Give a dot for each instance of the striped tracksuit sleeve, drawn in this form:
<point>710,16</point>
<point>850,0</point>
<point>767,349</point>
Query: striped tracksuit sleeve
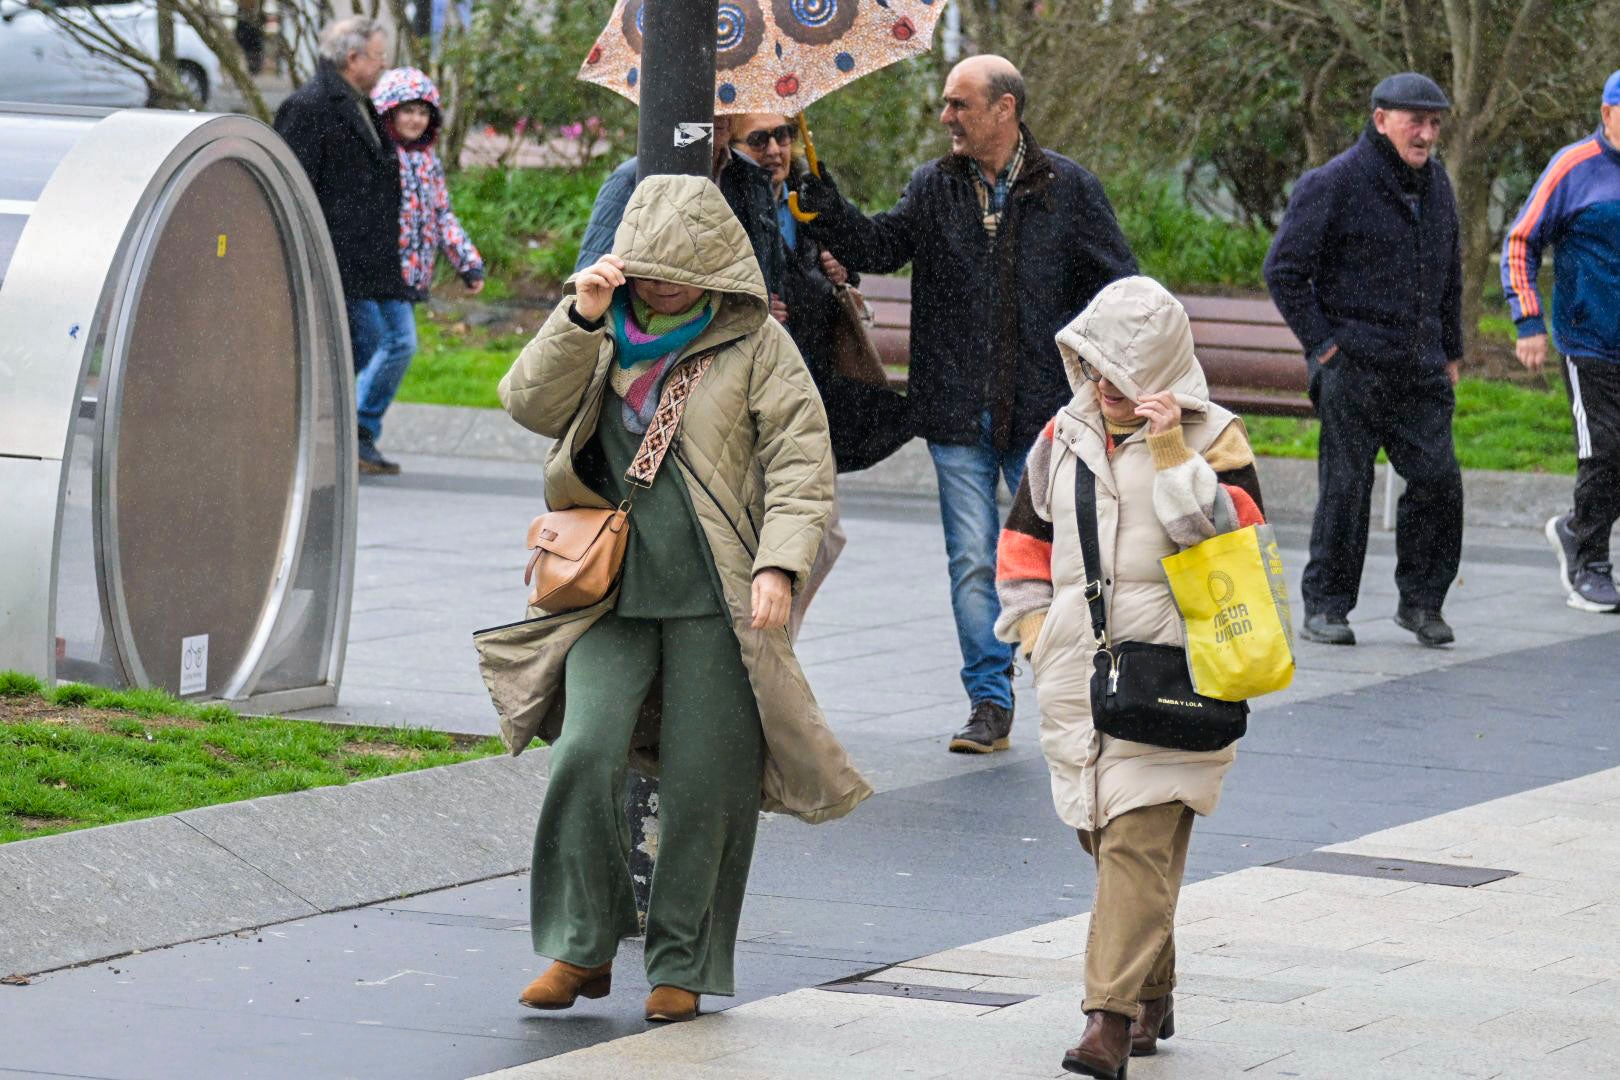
<point>1537,222</point>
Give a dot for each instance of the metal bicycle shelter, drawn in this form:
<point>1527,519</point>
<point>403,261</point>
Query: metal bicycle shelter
<point>177,437</point>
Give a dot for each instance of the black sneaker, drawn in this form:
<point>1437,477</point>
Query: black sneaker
<point>1430,628</point>
<point>988,727</point>
<point>372,463</point>
<point>1328,629</point>
<point>1562,539</point>
<point>1594,588</point>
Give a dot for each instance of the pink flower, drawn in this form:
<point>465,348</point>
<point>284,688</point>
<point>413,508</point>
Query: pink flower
<point>572,131</point>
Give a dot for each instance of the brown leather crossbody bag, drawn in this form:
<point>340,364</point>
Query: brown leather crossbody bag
<point>578,553</point>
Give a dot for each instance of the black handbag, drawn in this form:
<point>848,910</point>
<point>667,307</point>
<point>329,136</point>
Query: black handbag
<point>1141,691</point>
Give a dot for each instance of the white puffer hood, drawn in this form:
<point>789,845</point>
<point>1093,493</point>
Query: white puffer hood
<point>1138,336</point>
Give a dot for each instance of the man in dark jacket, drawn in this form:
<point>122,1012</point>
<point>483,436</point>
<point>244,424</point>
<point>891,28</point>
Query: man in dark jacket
<point>1367,270</point>
<point>1007,242</point>
<point>339,139</point>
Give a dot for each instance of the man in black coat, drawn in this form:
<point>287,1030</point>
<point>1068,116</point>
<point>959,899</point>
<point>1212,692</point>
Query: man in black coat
<point>339,139</point>
<point>1367,270</point>
<point>1007,243</point>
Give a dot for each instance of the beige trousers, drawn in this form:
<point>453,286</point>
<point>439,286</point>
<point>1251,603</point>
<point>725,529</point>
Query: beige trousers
<point>1131,947</point>
<point>832,545</point>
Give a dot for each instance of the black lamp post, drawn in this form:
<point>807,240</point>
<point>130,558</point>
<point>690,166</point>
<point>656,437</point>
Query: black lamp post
<point>676,135</point>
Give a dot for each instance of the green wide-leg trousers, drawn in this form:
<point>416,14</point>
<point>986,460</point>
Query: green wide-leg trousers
<point>711,758</point>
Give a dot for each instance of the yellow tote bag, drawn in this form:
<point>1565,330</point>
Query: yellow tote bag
<point>1233,599</point>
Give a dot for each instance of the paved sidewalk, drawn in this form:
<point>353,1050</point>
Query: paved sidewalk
<point>1282,973</point>
<point>951,850</point>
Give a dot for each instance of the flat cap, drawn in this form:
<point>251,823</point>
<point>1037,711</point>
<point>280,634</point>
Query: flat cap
<point>1410,90</point>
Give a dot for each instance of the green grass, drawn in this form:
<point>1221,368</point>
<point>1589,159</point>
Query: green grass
<point>80,755</point>
<point>1498,426</point>
<point>458,368</point>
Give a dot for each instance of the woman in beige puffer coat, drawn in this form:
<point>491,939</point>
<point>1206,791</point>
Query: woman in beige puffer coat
<point>1172,469</point>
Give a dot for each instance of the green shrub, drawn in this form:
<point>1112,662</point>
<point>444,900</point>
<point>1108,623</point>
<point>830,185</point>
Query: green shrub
<point>1181,245</point>
<point>527,222</point>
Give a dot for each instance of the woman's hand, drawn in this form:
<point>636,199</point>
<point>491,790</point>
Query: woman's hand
<point>779,310</point>
<point>1162,411</point>
<point>773,599</point>
<point>833,269</point>
<point>593,289</point>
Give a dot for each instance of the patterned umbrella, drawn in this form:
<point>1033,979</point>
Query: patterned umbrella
<point>777,56</point>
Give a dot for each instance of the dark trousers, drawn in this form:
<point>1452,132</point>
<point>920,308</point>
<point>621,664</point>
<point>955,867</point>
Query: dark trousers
<point>1594,399</point>
<point>1362,411</point>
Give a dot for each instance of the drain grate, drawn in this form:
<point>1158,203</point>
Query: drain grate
<point>860,985</point>
<point>1423,873</point>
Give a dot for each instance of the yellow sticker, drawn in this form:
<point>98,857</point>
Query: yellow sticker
<point>221,250</point>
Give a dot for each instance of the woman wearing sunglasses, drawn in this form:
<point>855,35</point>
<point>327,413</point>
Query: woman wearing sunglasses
<point>867,423</point>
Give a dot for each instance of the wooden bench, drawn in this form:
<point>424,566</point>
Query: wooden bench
<point>1252,360</point>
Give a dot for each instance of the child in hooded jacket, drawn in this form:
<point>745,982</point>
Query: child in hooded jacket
<point>408,102</point>
<point>1170,469</point>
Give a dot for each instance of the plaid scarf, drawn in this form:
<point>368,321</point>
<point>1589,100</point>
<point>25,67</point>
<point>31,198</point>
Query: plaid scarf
<point>647,346</point>
<point>993,199</point>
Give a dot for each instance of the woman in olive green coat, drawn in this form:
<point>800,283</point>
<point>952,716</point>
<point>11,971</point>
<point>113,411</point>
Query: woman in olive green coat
<point>718,544</point>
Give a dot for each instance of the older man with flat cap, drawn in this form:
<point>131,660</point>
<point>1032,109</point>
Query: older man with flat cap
<point>1367,270</point>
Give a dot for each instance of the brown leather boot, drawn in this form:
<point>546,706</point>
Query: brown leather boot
<point>1105,1047</point>
<point>671,1005</point>
<point>564,983</point>
<point>1158,1021</point>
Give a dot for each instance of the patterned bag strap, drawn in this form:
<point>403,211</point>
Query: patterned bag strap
<point>666,421</point>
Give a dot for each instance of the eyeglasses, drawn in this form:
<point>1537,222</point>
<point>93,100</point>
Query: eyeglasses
<point>758,140</point>
<point>1091,373</point>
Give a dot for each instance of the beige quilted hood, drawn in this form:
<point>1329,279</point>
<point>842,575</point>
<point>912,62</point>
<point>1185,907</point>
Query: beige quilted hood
<point>680,228</point>
<point>1138,336</point>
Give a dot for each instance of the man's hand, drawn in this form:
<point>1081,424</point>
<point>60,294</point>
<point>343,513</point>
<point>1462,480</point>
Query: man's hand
<point>834,269</point>
<point>1532,351</point>
<point>1162,410</point>
<point>475,286</point>
<point>778,309</point>
<point>1454,370</point>
<point>593,289</point>
<point>773,599</point>
<point>818,194</point>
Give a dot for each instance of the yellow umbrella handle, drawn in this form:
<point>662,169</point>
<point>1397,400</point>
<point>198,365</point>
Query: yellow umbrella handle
<point>809,146</point>
<point>815,170</point>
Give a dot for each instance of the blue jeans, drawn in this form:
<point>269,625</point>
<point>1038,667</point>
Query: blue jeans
<point>967,506</point>
<point>383,334</point>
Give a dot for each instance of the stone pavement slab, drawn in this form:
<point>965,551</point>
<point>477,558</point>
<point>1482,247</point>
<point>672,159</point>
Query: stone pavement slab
<point>1270,983</point>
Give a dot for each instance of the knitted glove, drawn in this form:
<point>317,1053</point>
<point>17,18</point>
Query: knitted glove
<point>1029,629</point>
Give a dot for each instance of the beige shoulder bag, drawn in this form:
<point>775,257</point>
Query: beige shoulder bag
<point>578,553</point>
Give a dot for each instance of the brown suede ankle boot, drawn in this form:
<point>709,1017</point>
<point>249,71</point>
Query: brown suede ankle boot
<point>671,1005</point>
<point>1105,1047</point>
<point>564,983</point>
<point>1157,1021</point>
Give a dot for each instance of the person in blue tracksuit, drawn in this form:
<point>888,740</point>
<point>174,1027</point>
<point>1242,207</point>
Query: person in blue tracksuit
<point>1366,269</point>
<point>1575,207</point>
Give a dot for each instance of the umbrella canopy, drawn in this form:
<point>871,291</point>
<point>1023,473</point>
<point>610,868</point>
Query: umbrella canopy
<point>777,56</point>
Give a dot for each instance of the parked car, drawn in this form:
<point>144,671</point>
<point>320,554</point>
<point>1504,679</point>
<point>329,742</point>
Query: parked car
<point>43,61</point>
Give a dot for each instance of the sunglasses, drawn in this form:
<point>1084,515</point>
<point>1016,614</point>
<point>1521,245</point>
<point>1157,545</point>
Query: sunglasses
<point>1091,373</point>
<point>759,140</point>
